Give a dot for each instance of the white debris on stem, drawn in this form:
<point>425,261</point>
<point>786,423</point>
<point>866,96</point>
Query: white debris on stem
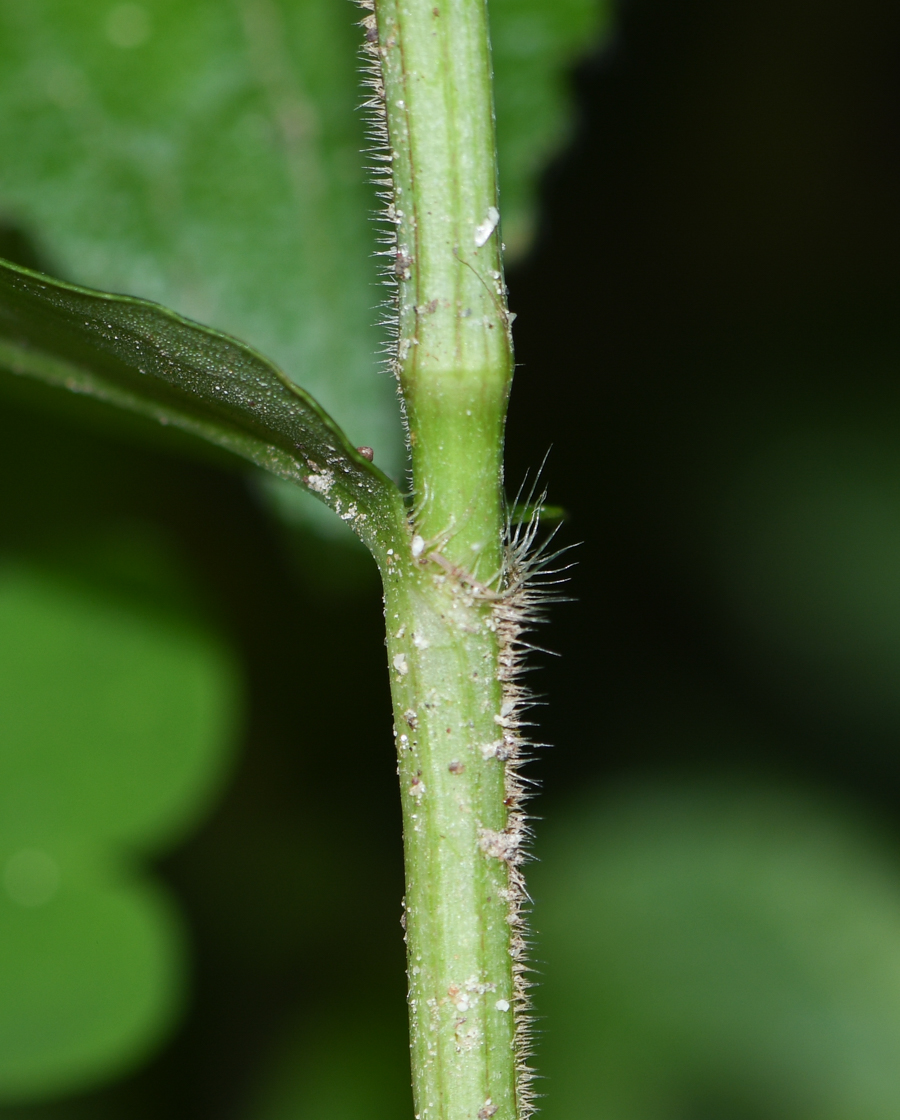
<point>484,229</point>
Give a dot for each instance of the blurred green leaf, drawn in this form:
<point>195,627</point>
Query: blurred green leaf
<point>115,724</point>
<point>534,44</point>
<point>207,156</point>
<point>207,159</point>
<point>113,720</point>
<point>709,950</point>
<point>90,978</point>
<point>150,361</point>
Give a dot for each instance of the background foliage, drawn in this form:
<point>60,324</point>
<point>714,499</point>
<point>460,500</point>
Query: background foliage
<point>708,335</point>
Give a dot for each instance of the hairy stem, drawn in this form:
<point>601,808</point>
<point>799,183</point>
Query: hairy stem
<point>442,650</point>
<point>454,362</point>
<point>454,356</point>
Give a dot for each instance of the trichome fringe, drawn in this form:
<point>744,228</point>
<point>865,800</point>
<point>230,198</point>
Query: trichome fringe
<point>527,580</point>
<point>378,151</point>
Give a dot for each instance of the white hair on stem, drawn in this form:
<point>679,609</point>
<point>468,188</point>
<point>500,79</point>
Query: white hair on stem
<point>519,594</point>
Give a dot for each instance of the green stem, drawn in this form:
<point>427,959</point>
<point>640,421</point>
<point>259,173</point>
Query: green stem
<point>455,351</point>
<point>454,362</point>
<point>442,652</point>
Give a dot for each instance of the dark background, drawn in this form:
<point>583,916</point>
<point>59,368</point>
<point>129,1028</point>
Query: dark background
<point>717,266</point>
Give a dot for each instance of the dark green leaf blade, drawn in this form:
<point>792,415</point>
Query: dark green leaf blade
<point>143,358</point>
<point>208,160</point>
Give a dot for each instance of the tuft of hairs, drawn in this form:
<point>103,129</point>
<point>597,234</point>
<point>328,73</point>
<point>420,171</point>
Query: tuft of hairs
<point>529,584</point>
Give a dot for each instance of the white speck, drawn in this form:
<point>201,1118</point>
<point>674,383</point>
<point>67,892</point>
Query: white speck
<point>351,513</point>
<point>417,547</point>
<point>419,642</point>
<point>321,483</point>
<point>491,750</point>
<point>390,552</point>
<point>417,789</point>
<point>487,227</point>
<point>502,1005</point>
<point>462,1005</point>
<point>500,845</point>
<point>404,742</point>
<point>400,665</point>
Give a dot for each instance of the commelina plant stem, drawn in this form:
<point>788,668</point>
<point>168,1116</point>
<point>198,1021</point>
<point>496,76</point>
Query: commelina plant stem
<point>456,599</point>
<point>461,581</point>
